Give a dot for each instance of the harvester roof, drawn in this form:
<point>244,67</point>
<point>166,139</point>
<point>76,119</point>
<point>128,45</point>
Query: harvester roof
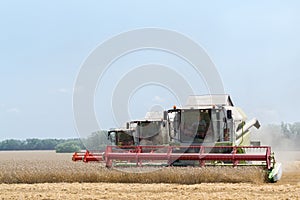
<point>209,100</point>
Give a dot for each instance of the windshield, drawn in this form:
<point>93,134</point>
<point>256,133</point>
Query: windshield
<point>121,138</point>
<point>147,129</point>
<point>194,125</point>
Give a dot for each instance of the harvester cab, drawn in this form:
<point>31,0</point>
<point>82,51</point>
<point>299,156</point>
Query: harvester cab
<point>210,120</point>
<point>121,137</point>
<point>151,130</point>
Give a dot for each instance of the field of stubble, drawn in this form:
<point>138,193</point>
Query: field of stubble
<point>47,175</point>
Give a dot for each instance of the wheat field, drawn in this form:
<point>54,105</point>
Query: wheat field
<point>47,175</point>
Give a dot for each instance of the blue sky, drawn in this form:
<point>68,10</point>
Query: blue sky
<point>255,46</point>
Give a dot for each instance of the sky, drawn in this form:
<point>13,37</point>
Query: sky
<point>254,45</point>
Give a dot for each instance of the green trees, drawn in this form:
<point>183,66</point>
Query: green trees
<point>36,144</point>
<point>12,144</point>
<point>291,130</point>
<point>96,141</point>
<point>68,147</point>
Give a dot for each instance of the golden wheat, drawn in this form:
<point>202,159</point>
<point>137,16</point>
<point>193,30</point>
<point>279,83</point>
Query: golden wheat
<point>49,167</point>
<point>50,171</point>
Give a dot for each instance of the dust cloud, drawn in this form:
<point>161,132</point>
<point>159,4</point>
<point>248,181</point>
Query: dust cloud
<point>286,149</point>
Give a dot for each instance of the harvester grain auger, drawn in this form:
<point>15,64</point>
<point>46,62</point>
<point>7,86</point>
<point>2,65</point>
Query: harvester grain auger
<point>208,131</point>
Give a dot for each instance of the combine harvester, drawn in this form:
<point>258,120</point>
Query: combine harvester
<point>208,131</point>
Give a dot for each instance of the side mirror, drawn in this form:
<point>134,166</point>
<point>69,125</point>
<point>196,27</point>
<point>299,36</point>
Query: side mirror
<point>229,114</point>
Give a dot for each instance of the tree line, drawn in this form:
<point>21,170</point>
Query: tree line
<point>36,144</point>
<point>95,141</point>
<point>274,134</point>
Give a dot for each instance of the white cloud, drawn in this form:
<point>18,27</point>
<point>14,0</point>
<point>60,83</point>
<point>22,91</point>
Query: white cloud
<point>13,110</point>
<point>158,99</point>
<point>63,90</point>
